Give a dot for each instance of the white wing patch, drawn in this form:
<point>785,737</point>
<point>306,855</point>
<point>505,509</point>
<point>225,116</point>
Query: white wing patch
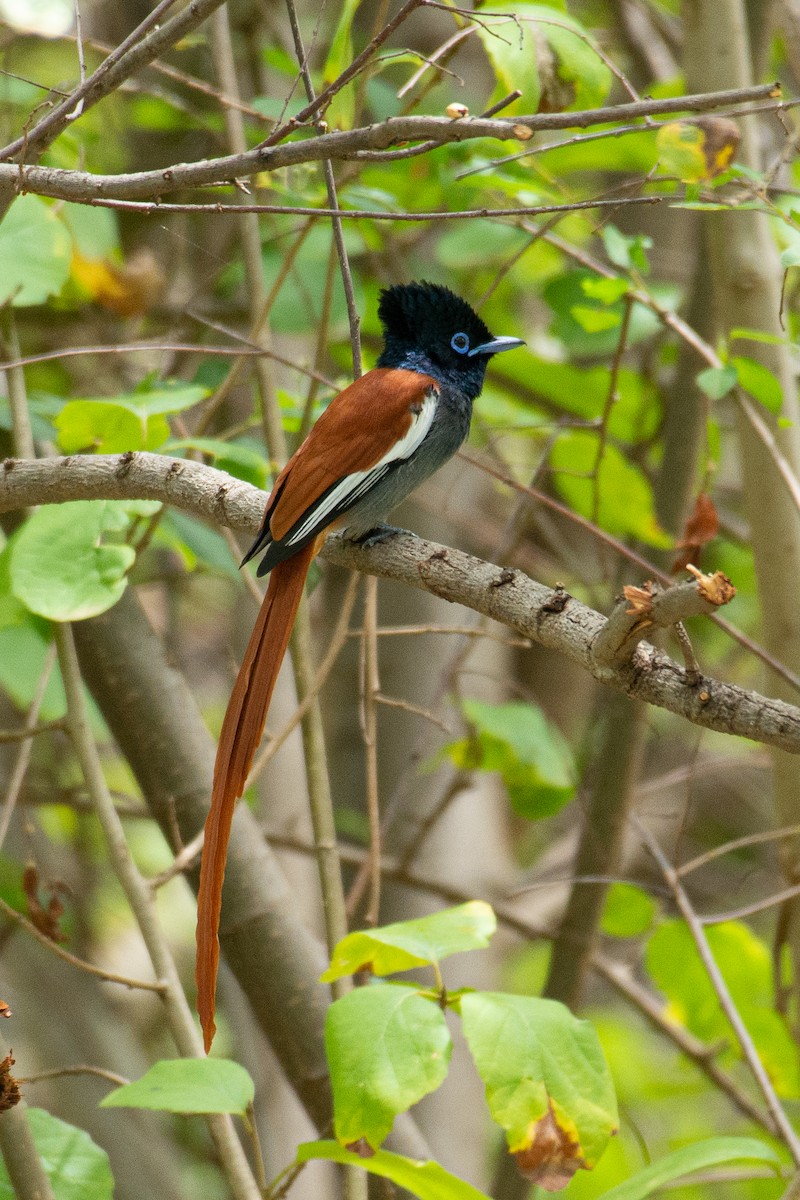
<point>352,487</point>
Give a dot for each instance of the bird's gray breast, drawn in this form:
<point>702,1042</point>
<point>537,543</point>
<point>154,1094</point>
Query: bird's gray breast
<point>448,430</point>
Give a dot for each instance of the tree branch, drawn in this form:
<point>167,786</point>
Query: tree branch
<point>552,618</point>
<point>83,187</point>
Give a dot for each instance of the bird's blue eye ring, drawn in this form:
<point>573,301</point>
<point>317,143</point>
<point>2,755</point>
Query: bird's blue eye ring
<point>460,343</point>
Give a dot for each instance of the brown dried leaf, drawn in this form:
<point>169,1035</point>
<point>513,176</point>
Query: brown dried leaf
<point>721,140</point>
<point>46,919</point>
<point>9,1088</point>
<point>129,289</point>
<point>717,589</point>
<point>553,1156</point>
<point>640,599</point>
<point>362,1148</point>
<point>701,527</point>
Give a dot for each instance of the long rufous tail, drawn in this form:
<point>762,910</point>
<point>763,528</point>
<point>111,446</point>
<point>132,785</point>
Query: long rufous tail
<point>238,741</point>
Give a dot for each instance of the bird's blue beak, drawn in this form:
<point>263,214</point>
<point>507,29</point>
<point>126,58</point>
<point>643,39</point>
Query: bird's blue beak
<point>496,346</point>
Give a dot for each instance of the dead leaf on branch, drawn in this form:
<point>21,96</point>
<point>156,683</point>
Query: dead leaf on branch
<point>9,1088</point>
<point>701,527</point>
<point>45,917</point>
<point>552,1157</point>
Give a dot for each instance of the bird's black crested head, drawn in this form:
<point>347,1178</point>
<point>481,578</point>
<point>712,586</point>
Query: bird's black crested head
<point>430,329</point>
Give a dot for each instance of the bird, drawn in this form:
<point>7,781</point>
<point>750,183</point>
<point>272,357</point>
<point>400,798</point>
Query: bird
<point>376,442</point>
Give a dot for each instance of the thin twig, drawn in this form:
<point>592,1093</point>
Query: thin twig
<point>370,687</point>
<point>23,759</point>
<point>751,839</point>
<point>330,186</point>
<point>720,987</point>
<point>179,1016</point>
<point>144,985</point>
<point>612,395</point>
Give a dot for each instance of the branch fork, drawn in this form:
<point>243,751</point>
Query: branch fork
<point>642,609</point>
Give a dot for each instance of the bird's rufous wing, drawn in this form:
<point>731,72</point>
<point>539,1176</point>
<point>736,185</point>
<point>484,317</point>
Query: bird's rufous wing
<point>380,418</point>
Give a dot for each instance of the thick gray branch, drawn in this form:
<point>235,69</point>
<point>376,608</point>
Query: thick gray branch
<point>553,619</point>
<point>82,186</point>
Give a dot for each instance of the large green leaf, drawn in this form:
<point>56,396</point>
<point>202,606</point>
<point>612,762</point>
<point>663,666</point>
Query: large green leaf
<point>545,1076</point>
<point>713,1152</point>
<point>60,566</point>
<point>23,651</point>
<point>635,415</point>
<point>746,964</point>
<point>132,421</point>
<point>76,1167</point>
<point>512,49</point>
<point>35,252</point>
<point>387,1047</point>
<point>187,1085</point>
<point>626,507</point>
<point>107,428</point>
<point>759,381</point>
<point>427,1180</point>
<point>529,753</point>
<point>569,301</point>
<point>628,911</point>
<point>417,943</point>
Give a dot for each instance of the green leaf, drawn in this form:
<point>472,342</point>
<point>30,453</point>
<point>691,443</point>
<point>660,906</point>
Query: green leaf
<point>60,567</point>
<point>77,1168</point>
<point>237,458</point>
<point>539,1063</point>
<point>628,912</point>
<point>712,1152</point>
<point>746,964</point>
<point>595,320</point>
<point>626,506</point>
<point>583,391</point>
<point>790,257</point>
<point>716,382</point>
<point>387,1047</point>
<point>133,421</point>
<point>532,757</point>
<point>514,46</point>
<point>196,543</point>
<point>607,291</point>
<point>35,252</point>
<point>95,230</point>
<point>564,292</point>
<point>409,944</point>
<point>23,650</point>
<point>107,428</point>
<point>12,611</point>
<point>188,1085</point>
<point>680,151</point>
<point>427,1180</point>
<point>627,251</point>
<point>760,382</point>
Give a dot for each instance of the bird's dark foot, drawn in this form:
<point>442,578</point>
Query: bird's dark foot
<point>381,533</point>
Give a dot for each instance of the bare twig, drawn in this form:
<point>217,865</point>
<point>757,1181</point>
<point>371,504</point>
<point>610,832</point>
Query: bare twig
<point>180,1018</point>
<point>144,985</point>
<point>720,987</point>
<point>370,687</point>
<point>20,767</point>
